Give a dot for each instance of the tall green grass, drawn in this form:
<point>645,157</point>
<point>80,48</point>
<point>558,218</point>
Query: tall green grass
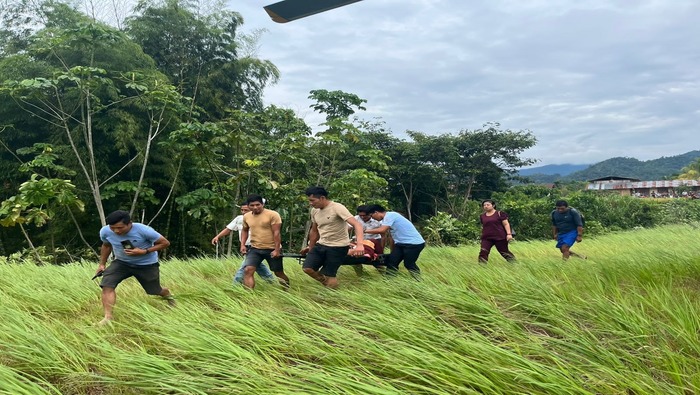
<point>624,321</point>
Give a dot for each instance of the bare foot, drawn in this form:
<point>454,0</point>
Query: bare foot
<point>105,321</point>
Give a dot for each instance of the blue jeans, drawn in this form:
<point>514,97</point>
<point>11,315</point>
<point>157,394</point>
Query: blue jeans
<point>262,270</point>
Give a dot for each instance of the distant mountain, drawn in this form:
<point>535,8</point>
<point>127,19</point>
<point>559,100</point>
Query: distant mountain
<point>650,170</point>
<point>561,170</point>
<point>655,169</point>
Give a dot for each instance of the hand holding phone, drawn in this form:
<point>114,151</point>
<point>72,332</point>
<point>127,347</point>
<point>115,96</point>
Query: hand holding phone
<point>127,245</point>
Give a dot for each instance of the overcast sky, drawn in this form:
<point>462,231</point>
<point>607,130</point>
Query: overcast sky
<point>591,79</point>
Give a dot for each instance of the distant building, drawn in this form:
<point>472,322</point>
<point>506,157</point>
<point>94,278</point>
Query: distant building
<point>633,187</point>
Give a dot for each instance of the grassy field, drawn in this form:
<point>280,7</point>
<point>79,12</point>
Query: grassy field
<point>624,321</point>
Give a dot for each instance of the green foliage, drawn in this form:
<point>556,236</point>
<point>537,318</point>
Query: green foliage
<point>198,51</point>
<point>690,172</point>
<point>358,187</point>
<point>125,190</point>
<point>33,203</point>
<point>201,204</point>
<point>680,211</point>
<point>336,104</point>
<point>443,229</point>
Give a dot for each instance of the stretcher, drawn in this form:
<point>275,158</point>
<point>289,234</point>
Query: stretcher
<point>349,260</point>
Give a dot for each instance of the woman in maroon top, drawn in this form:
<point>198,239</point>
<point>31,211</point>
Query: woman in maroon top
<point>495,231</point>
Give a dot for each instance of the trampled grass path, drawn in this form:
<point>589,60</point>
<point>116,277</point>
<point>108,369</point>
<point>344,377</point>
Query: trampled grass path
<point>624,321</point>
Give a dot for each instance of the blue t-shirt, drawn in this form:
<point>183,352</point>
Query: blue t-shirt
<point>141,236</point>
<point>402,230</point>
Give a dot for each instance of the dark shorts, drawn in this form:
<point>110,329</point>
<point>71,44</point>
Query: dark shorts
<point>328,258</point>
<point>255,256</point>
<point>147,275</point>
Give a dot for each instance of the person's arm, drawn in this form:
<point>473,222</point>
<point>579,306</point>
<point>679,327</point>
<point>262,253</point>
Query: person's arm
<point>244,236</point>
<point>579,226</point>
<point>359,248</point>
<point>277,236</point>
<point>105,251</point>
<point>225,232</point>
<point>378,231</point>
<point>160,244</point>
<point>506,226</point>
<point>313,238</point>
<point>554,232</point>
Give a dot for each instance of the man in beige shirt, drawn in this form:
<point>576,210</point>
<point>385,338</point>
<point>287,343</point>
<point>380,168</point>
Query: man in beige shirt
<point>263,226</point>
<point>328,238</point>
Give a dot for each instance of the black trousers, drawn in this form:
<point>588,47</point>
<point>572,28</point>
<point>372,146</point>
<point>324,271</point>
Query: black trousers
<point>408,253</point>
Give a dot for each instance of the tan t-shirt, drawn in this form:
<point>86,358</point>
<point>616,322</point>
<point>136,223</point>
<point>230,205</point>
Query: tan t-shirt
<point>332,229</point>
<point>260,228</point>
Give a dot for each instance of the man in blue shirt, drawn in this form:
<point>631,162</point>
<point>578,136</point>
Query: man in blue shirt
<point>134,246</point>
<point>408,243</point>
<point>567,228</point>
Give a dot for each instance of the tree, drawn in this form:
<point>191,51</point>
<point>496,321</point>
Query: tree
<point>484,157</point>
<point>199,52</point>
<point>86,94</point>
<point>41,196</point>
<point>691,172</point>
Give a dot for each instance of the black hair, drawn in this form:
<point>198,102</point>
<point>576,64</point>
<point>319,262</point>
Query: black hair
<point>488,201</point>
<point>362,209</point>
<point>118,216</point>
<point>316,192</point>
<point>561,203</point>
<point>375,208</point>
<point>254,198</point>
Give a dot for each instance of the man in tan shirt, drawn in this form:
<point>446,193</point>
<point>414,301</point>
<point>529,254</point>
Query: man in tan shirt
<point>263,226</point>
<point>329,243</point>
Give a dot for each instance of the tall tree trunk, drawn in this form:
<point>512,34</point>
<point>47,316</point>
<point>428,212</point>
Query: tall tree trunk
<point>31,245</point>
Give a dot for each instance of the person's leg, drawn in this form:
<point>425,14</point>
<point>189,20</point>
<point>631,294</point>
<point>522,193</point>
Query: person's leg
<point>395,257</point>
<point>410,257</point>
<point>109,298</point>
<point>565,252</point>
<point>486,245</point>
<point>168,296</point>
<point>313,263</point>
<point>248,277</point>
<point>277,266</point>
<point>238,277</point>
<point>577,255</point>
<point>502,247</point>
<point>253,259</point>
<point>334,258</point>
<point>358,270</point>
<point>115,273</point>
<point>265,273</point>
<point>149,278</point>
<point>565,242</point>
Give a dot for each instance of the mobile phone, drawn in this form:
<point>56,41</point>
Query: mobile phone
<point>127,245</point>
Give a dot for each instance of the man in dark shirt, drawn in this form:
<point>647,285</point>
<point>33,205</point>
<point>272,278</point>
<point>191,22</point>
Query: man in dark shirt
<point>567,228</point>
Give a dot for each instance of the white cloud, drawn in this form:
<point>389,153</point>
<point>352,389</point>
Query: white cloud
<point>592,79</point>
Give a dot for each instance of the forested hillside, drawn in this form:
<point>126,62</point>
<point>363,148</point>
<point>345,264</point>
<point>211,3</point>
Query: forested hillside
<point>655,169</point>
